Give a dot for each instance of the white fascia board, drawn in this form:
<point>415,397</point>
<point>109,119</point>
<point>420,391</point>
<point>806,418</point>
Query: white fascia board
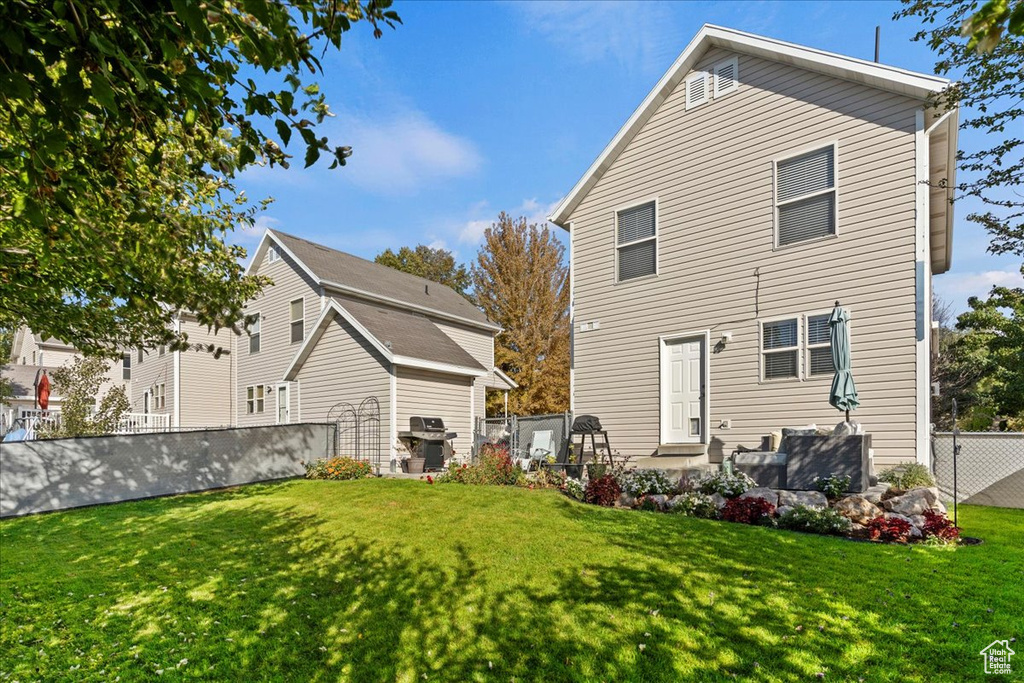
<point>257,255</point>
<point>370,296</point>
<point>326,316</point>
<point>505,378</point>
<point>409,362</point>
<point>881,76</point>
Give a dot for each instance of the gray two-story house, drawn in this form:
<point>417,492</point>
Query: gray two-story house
<point>756,185</point>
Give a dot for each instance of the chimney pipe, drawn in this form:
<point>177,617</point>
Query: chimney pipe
<point>878,40</point>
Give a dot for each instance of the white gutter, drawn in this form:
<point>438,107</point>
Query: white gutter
<point>177,377</point>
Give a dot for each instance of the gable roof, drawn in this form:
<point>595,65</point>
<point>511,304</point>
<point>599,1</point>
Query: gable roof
<point>881,76</point>
<point>341,272</point>
<point>402,338</point>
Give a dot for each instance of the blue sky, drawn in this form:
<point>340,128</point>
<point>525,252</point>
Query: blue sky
<point>471,108</point>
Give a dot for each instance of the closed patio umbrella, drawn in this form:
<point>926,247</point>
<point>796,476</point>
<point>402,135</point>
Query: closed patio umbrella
<point>843,395</point>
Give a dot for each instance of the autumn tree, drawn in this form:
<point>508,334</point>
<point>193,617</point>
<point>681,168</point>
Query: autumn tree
<point>122,128</point>
<point>434,264</point>
<point>522,284</point>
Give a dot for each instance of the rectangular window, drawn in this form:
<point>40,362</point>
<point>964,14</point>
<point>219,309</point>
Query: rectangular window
<point>159,397</point>
<point>162,350</point>
<point>254,334</point>
<point>819,346</point>
<point>255,399</point>
<point>297,313</point>
<point>636,241</point>
<point>126,366</point>
<point>780,349</point>
<point>139,357</point>
<point>805,196</point>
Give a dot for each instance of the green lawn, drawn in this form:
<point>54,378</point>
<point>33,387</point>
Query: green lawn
<point>397,580</point>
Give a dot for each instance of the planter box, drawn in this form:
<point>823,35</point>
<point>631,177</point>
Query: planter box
<point>413,465</point>
<point>803,458</point>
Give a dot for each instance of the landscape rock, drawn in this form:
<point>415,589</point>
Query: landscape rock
<point>811,499</point>
<point>916,532</point>
<point>939,507</point>
<point>917,520</point>
<point>782,509</point>
<point>719,500</point>
<point>896,515</point>
<point>626,500</point>
<point>762,492</point>
<point>661,499</point>
<point>858,530</point>
<point>913,502</point>
<point>857,509</point>
<point>874,493</point>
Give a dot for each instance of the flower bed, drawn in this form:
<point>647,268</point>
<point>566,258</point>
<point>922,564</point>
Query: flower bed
<point>338,469</point>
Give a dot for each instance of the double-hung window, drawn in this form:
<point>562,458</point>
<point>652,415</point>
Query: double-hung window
<point>297,309</point>
<point>255,399</point>
<point>819,346</point>
<point>636,241</point>
<point>805,196</point>
<point>126,366</point>
<point>254,334</point>
<point>159,397</point>
<point>780,349</point>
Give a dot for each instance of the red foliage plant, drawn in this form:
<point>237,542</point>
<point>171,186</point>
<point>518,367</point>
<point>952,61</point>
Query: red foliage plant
<point>602,491</point>
<point>938,525</point>
<point>889,530</point>
<point>747,510</point>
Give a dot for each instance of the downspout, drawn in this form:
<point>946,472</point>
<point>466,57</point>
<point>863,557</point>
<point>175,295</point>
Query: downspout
<point>177,377</point>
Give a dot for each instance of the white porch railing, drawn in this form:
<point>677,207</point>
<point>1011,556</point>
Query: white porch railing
<point>36,422</point>
<point>133,423</point>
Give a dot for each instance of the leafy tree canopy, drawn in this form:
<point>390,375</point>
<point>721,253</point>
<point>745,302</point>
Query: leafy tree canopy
<point>78,385</point>
<point>522,283</point>
<point>122,126</point>
<point>436,265</point>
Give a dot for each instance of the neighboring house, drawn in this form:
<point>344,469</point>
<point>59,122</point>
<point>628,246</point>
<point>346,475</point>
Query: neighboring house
<point>191,388</point>
<point>334,328</point>
<point>31,355</point>
<point>757,184</point>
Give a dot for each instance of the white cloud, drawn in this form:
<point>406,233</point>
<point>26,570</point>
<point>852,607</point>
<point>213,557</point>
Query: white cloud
<point>635,34</point>
<point>482,216</point>
<point>403,153</point>
<point>956,288</point>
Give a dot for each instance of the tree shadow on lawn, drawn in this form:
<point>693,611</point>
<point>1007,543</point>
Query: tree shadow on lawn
<point>244,588</point>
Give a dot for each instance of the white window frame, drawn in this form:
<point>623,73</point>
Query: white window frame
<point>273,254</point>
<point>159,396</point>
<point>762,351</point>
<point>141,355</point>
<point>259,319</point>
<point>834,189</point>
<point>255,404</point>
<point>691,103</point>
<point>808,345</point>
<point>301,320</point>
<point>735,62</point>
<point>655,239</point>
<point>126,367</point>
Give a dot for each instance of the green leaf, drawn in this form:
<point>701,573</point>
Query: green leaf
<point>284,131</point>
<point>103,93</point>
<point>312,154</point>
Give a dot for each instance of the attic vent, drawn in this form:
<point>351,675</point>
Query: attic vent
<point>273,254</point>
<point>726,76</point>
<point>697,89</point>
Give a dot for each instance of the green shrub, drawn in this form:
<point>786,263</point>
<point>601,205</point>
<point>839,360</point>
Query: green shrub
<point>824,521</point>
<point>909,475</point>
<point>725,484</point>
<point>338,469</point>
<point>644,482</point>
<point>695,504</point>
<point>494,468</point>
<point>833,486</point>
<point>602,491</point>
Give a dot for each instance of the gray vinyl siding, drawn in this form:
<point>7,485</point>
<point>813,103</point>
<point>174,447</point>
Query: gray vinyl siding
<point>206,387</point>
<point>433,394</point>
<point>154,369</point>
<point>344,367</point>
<point>480,345</point>
<point>710,169</point>
<point>276,353</point>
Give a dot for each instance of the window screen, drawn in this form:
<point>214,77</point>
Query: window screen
<point>636,242</point>
<point>806,197</point>
<point>779,340</point>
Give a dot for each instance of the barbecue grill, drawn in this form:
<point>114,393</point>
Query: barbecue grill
<point>428,439</point>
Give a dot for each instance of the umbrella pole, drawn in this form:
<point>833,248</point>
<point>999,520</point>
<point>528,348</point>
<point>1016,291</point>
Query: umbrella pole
<point>847,415</point>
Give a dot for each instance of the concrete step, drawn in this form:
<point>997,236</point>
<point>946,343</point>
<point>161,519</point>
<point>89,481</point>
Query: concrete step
<point>688,449</point>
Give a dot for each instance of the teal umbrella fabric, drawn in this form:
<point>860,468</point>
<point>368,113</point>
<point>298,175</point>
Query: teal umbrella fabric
<point>844,392</point>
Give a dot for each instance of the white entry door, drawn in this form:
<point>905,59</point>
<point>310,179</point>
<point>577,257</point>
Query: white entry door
<point>682,391</point>
<point>283,411</point>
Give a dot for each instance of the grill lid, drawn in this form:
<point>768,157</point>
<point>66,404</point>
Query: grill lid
<point>426,424</point>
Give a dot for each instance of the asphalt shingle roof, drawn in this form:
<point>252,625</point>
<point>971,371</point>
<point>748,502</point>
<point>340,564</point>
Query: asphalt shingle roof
<point>351,271</point>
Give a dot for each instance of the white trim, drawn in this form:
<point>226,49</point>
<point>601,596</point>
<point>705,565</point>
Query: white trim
<point>663,341</point>
<point>697,76</point>
<point>572,324</point>
<point>393,411</point>
<point>806,149</point>
<point>735,62</point>
<point>298,400</point>
<point>292,321</point>
<point>334,308</point>
<point>922,293</point>
<point>657,242</point>
<point>881,76</point>
<point>176,387</point>
<point>505,378</point>
<point>472,415</point>
<point>248,334</point>
<point>827,345</point>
